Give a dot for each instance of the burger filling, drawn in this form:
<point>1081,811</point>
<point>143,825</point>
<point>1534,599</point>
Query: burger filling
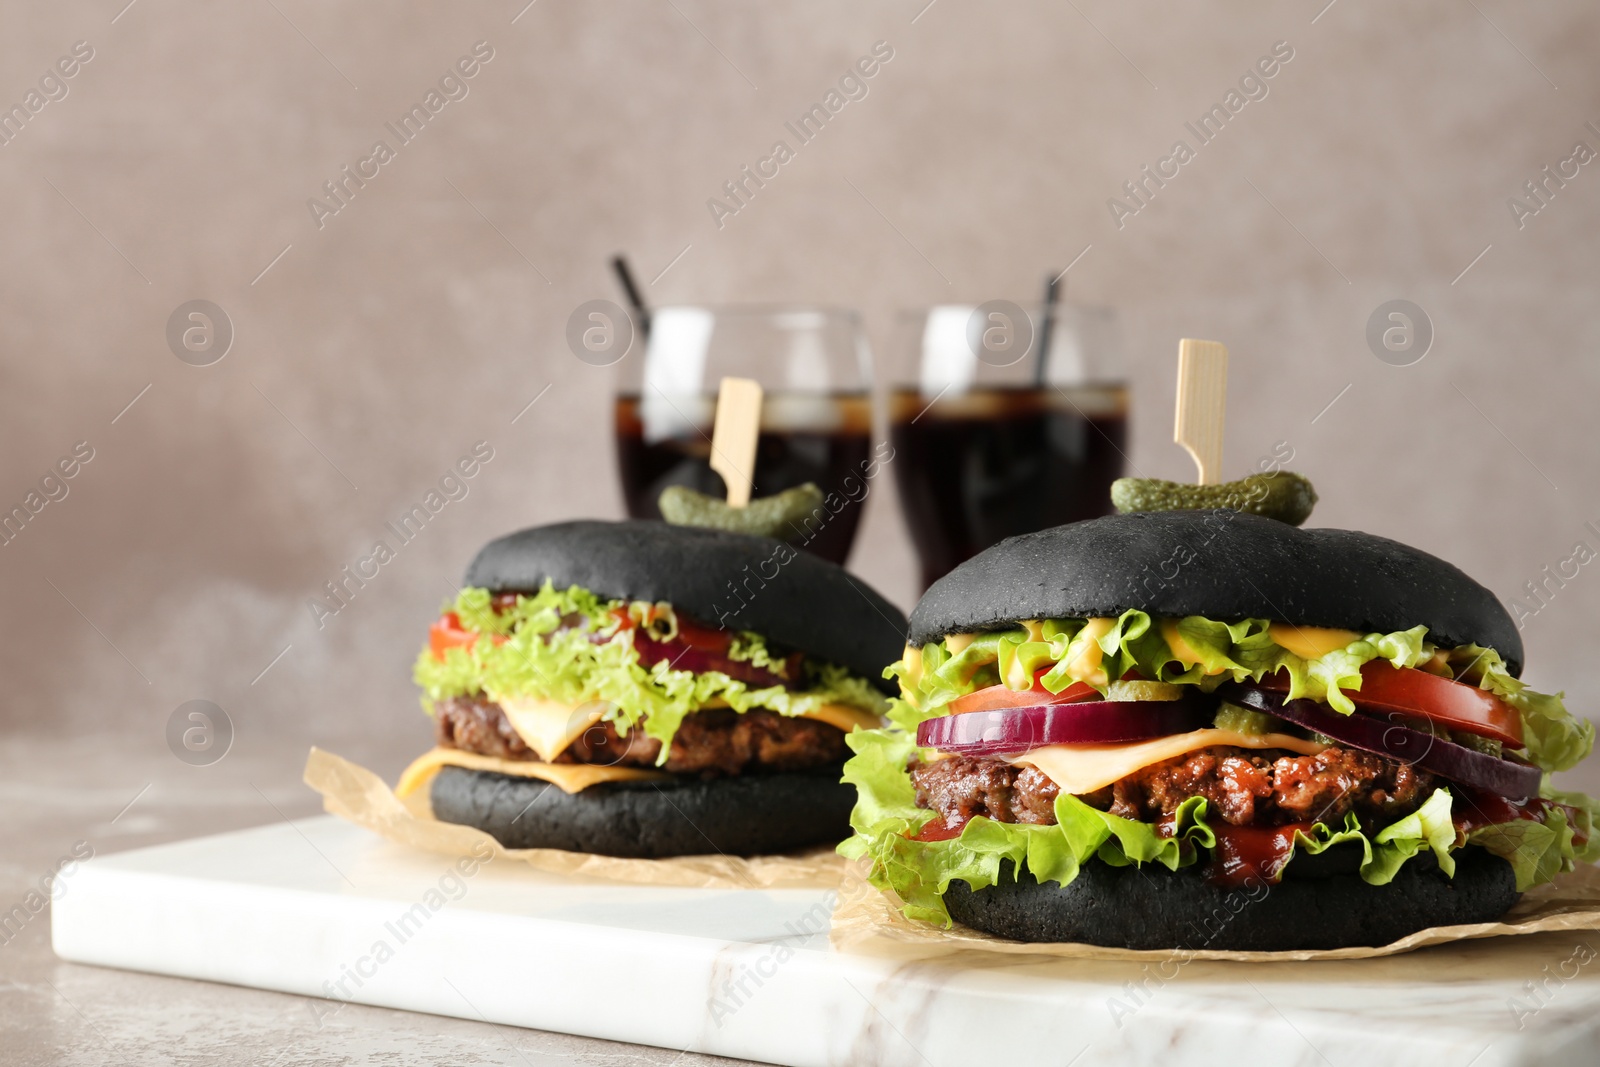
<point>1191,741</point>
<point>1241,788</point>
<point>711,743</point>
<point>536,682</point>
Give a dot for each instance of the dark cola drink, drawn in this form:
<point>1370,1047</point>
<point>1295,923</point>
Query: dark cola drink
<point>987,464</point>
<point>819,438</point>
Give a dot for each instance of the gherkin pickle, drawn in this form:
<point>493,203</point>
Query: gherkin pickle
<point>1246,721</point>
<point>1281,495</point>
<point>782,516</point>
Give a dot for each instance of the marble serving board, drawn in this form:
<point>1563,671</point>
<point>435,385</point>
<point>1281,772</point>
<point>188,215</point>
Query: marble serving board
<point>326,911</point>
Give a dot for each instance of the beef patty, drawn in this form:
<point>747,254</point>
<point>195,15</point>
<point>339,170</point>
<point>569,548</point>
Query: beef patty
<point>1245,787</point>
<point>713,743</point>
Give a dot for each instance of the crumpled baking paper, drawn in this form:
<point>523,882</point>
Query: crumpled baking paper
<point>866,919</point>
<point>357,795</point>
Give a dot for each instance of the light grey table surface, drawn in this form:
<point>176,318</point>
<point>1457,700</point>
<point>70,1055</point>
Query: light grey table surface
<point>53,1012</point>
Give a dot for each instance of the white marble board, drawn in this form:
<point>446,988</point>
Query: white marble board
<point>301,907</point>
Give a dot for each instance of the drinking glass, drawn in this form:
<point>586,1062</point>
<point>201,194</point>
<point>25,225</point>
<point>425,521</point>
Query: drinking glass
<point>816,416</point>
<point>990,439</point>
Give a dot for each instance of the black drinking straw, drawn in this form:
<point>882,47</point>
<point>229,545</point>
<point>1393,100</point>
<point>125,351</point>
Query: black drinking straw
<point>619,264</point>
<point>1051,294</point>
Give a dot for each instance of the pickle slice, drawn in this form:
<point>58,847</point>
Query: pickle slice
<point>1281,495</point>
<point>782,515</point>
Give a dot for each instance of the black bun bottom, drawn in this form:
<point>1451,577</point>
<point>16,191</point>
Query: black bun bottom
<point>740,816</point>
<point>1153,908</point>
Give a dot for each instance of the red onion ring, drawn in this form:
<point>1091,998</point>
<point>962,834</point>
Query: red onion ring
<point>1371,733</point>
<point>990,733</point>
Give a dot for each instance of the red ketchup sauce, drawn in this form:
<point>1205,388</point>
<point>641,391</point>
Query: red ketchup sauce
<point>1246,853</point>
<point>937,829</point>
<point>1475,809</point>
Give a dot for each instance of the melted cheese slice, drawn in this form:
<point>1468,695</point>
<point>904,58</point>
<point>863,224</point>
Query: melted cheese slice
<point>844,717</point>
<point>1081,769</point>
<point>1310,642</point>
<point>957,643</point>
<point>1181,648</point>
<point>548,727</point>
<point>569,777</point>
<point>1086,665</point>
<point>912,657</point>
<point>545,726</point>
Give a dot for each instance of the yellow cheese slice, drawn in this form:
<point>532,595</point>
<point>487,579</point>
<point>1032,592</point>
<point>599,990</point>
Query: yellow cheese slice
<point>957,643</point>
<point>1181,648</point>
<point>1081,769</point>
<point>546,726</point>
<point>1086,666</point>
<point>1310,642</point>
<point>569,777</point>
<point>912,657</point>
<point>844,717</point>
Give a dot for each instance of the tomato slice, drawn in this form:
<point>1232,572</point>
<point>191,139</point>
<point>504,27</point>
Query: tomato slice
<point>996,697</point>
<point>703,638</point>
<point>1385,687</point>
<point>447,633</point>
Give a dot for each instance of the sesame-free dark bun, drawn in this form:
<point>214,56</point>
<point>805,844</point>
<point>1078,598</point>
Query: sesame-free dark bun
<point>1151,907</point>
<point>746,815</point>
<point>734,581</point>
<point>1220,564</point>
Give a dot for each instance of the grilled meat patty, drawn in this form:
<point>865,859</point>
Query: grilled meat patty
<point>1244,787</point>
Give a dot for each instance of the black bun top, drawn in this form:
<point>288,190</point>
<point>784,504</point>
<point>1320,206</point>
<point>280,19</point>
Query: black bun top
<point>1221,564</point>
<point>723,579</point>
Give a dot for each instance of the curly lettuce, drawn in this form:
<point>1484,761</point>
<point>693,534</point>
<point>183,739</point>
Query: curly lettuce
<point>886,817</point>
<point>1554,739</point>
<point>570,646</point>
<point>1103,650</point>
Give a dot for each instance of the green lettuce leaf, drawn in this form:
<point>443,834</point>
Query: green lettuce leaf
<point>569,646</point>
<point>1537,851</point>
<point>1555,740</point>
<point>1584,814</point>
<point>1222,651</point>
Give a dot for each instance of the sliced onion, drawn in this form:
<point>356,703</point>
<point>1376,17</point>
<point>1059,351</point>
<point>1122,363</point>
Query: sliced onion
<point>1373,733</point>
<point>991,733</point>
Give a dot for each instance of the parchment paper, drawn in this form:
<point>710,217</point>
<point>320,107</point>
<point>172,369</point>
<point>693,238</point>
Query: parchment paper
<point>356,795</point>
<point>865,918</point>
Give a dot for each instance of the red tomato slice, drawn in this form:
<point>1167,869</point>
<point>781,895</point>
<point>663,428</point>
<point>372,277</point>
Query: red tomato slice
<point>996,697</point>
<point>447,634</point>
<point>691,634</point>
<point>703,638</point>
<point>1409,691</point>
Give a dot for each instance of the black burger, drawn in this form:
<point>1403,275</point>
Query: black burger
<point>1212,730</point>
<point>646,690</point>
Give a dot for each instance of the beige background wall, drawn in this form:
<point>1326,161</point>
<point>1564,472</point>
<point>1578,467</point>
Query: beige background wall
<point>428,312</point>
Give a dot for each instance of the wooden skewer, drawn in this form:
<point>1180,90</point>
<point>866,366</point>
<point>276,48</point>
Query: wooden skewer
<point>733,441</point>
<point>1202,400</point>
